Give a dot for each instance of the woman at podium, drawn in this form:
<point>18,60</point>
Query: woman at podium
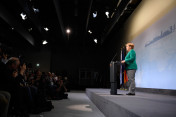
<point>131,67</point>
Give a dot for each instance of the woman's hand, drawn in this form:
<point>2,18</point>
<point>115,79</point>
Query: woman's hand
<point>123,61</point>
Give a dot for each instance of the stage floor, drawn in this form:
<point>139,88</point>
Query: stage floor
<point>77,105</point>
<point>140,105</point>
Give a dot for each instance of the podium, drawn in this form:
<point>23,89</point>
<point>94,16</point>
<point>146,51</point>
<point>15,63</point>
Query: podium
<point>114,65</point>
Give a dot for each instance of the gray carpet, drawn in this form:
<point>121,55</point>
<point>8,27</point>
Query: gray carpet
<point>77,105</point>
<point>140,105</point>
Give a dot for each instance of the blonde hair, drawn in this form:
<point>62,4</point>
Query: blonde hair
<point>131,45</point>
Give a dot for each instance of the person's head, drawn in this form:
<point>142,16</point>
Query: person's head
<point>65,78</point>
<point>53,74</point>
<point>129,46</point>
<point>59,77</point>
<point>49,74</point>
<point>22,66</point>
<point>5,55</point>
<point>13,63</point>
<point>38,72</point>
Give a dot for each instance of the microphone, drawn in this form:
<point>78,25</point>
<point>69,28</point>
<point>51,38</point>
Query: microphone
<point>114,57</point>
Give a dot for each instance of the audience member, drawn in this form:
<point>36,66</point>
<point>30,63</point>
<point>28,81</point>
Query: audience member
<point>4,103</point>
<point>23,91</point>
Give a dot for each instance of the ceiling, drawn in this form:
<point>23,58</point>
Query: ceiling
<point>57,16</point>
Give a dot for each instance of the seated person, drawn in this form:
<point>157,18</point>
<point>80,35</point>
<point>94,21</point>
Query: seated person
<point>4,103</point>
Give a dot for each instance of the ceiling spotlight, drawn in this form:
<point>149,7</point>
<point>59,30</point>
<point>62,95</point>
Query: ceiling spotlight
<point>46,29</point>
<point>30,29</point>
<point>107,14</point>
<point>95,40</point>
<point>95,14</point>
<point>37,64</point>
<point>90,31</point>
<point>23,16</point>
<point>35,10</point>
<point>44,42</point>
<point>68,31</point>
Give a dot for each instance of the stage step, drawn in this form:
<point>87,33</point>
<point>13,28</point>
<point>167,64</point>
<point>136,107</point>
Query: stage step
<point>140,105</point>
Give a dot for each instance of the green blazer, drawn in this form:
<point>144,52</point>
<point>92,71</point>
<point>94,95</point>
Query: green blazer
<point>130,60</point>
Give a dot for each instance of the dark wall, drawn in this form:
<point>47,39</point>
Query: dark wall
<point>41,56</point>
<point>71,58</point>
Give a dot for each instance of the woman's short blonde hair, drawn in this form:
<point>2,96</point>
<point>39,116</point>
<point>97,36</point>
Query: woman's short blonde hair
<point>131,45</point>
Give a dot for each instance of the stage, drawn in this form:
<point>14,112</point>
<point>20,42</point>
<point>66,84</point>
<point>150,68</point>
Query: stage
<point>140,105</point>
